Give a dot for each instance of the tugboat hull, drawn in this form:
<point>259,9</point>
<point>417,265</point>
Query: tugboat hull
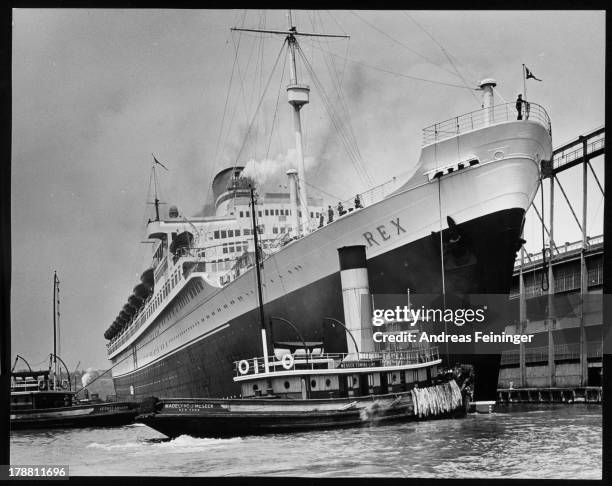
<point>238,417</point>
<point>94,415</point>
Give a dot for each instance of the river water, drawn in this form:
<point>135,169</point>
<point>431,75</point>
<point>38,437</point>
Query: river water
<point>518,441</point>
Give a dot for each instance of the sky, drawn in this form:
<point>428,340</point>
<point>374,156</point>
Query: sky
<point>96,92</point>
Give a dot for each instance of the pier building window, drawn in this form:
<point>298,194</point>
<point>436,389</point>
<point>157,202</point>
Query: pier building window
<point>237,232</point>
<point>247,232</point>
<point>274,230</point>
<point>267,213</point>
<point>276,212</point>
<point>282,229</point>
<point>225,249</point>
<point>242,214</point>
<point>311,214</point>
<point>223,234</point>
<point>216,235</point>
<point>259,213</point>
<point>260,229</point>
<point>248,214</point>
<point>230,233</point>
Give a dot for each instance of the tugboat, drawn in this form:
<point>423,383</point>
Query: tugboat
<point>42,399</point>
<point>300,387</point>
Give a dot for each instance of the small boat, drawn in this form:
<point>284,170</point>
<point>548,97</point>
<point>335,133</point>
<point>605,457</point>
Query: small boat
<point>299,387</point>
<point>43,399</point>
<point>40,402</point>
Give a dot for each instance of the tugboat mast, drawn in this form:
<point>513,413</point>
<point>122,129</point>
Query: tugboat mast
<point>264,338</point>
<point>298,96</point>
<point>55,325</point>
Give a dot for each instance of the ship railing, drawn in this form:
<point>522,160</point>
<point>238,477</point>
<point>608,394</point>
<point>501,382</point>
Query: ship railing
<point>366,198</point>
<point>331,361</point>
<point>531,258</point>
<point>484,117</point>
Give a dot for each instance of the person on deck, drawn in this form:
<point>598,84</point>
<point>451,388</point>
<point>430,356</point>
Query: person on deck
<point>358,202</point>
<point>330,214</point>
<point>519,106</point>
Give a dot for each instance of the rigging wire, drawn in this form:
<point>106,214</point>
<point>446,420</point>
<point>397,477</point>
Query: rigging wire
<point>259,105</point>
<point>348,139</point>
<point>227,96</point>
<point>416,78</point>
<point>335,197</point>
<point>401,43</point>
<point>446,54</point>
<point>276,106</point>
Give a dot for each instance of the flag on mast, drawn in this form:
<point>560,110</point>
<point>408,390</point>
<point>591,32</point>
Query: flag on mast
<point>158,162</point>
<point>529,74</point>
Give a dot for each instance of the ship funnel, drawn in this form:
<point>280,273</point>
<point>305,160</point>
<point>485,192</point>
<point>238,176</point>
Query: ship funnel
<point>487,86</point>
<point>356,297</point>
<point>293,197</point>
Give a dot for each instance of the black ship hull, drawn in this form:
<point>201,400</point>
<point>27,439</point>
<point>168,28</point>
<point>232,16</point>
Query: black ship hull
<point>478,258</point>
<point>94,415</point>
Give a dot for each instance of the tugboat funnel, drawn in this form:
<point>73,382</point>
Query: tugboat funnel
<point>356,297</point>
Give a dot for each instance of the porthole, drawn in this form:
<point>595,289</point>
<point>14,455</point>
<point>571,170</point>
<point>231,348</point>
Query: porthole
<point>498,155</point>
<point>328,382</point>
<point>287,385</point>
<point>255,388</point>
<point>313,383</point>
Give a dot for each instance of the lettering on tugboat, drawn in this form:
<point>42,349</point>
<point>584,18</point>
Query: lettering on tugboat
<point>192,407</point>
<point>381,232</point>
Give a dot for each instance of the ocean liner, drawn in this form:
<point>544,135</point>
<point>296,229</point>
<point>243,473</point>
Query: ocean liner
<point>453,227</point>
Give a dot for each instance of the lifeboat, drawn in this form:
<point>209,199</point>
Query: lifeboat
<point>129,310</point>
<point>182,240</point>
<point>147,277</point>
<point>135,301</point>
<point>142,291</point>
<point>124,316</point>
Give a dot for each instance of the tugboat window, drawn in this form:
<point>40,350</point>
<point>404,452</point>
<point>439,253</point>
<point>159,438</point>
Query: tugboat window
<point>328,382</point>
<point>287,385</point>
<point>255,388</point>
<point>313,383</point>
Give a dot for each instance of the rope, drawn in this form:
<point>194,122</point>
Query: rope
<point>544,283</point>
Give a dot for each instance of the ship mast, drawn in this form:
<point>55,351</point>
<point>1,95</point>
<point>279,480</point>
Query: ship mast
<point>56,315</point>
<point>264,338</point>
<point>298,96</point>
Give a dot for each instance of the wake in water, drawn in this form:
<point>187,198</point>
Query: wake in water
<point>183,443</point>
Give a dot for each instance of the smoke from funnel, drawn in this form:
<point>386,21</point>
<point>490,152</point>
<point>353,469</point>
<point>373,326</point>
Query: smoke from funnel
<point>89,376</point>
<point>272,172</point>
